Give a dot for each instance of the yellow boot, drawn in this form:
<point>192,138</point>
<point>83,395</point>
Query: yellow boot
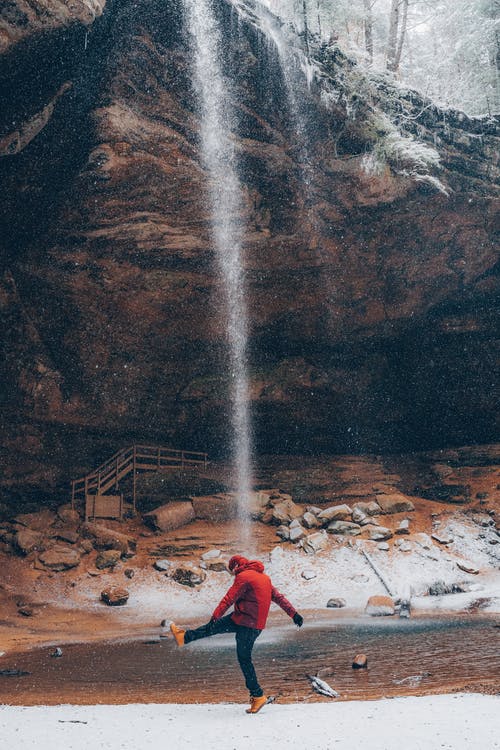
<point>256,704</point>
<point>178,633</point>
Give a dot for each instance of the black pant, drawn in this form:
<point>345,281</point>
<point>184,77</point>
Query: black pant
<point>245,638</point>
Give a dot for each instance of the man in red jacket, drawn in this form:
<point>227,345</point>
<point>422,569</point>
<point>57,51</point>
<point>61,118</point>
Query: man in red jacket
<point>251,593</point>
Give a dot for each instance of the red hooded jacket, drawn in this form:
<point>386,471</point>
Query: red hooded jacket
<point>251,593</point>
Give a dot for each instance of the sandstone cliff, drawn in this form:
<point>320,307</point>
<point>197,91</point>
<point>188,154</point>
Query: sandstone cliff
<point>372,294</point>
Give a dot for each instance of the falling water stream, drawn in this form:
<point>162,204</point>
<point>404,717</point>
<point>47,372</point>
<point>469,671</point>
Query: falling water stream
<point>217,120</point>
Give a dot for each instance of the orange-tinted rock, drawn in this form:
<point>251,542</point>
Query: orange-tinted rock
<point>115,596</point>
<point>360,661</point>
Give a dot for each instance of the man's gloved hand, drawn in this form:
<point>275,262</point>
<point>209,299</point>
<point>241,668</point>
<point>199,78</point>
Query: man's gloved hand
<point>298,619</point>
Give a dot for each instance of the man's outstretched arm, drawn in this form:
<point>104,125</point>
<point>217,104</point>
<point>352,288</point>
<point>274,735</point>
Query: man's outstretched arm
<point>278,598</point>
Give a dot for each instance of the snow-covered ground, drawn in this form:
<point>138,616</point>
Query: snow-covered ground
<point>439,722</point>
<point>338,571</point>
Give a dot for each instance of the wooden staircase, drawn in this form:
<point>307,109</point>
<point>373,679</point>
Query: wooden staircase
<point>93,488</point>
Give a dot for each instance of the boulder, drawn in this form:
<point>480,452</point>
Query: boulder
<point>40,521</point>
<point>66,534</point>
<point>68,516</point>
<point>335,513</point>
<point>105,538</point>
<point>297,533</point>
<point>86,546</point>
<point>115,596</point>
<point>378,533</point>
<point>310,521</point>
<point>358,516</point>
<point>26,541</point>
<point>284,512</point>
<point>383,547</point>
<point>395,503</point>
<point>380,606</point>
<point>217,508</point>
<point>360,661</point>
<point>403,545</point>
<point>336,603</point>
<point>347,528</point>
<point>171,516</point>
<point>59,558</point>
<point>315,542</point>
<point>189,575</point>
<point>108,558</point>
<point>283,532</point>
<point>371,508</point>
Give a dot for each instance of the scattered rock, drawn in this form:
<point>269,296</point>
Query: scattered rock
<point>129,572</point>
<point>336,603</point>
<point>283,532</point>
<point>335,513</point>
<point>211,554</point>
<point>404,526</point>
<point>383,547</point>
<point>219,565</point>
<point>315,542</point>
<point>442,539</point>
<point>60,558</point>
<point>371,508</point>
<point>283,513</point>
<point>403,545</point>
<point>57,653</point>
<point>310,521</point>
<point>395,503</point>
<point>379,533</point>
<point>65,534</point>
<point>423,540</point>
<point>358,516</point>
<point>308,575</point>
<point>467,568</point>
<point>115,596</point>
<point>68,515</point>
<point>86,546</point>
<point>26,540</point>
<point>25,611</point>
<point>40,521</point>
<point>189,575</point>
<point>162,565</point>
<point>347,528</point>
<point>297,533</point>
<point>107,559</point>
<point>360,661</point>
<point>106,538</point>
<point>380,606</point>
<point>171,516</point>
<point>483,520</point>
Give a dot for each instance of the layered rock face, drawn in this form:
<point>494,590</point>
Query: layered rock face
<point>371,295</point>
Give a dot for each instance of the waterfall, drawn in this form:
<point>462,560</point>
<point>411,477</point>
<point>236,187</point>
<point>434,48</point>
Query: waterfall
<point>225,203</point>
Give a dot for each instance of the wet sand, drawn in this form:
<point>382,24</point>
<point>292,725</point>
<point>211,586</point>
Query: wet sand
<point>416,657</point>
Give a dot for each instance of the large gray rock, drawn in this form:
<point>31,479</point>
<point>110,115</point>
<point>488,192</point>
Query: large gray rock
<point>297,533</point>
<point>335,513</point>
<point>379,533</point>
<point>336,603</point>
<point>371,508</point>
<point>310,521</point>
<point>60,558</point>
<point>347,528</point>
<point>171,516</point>
<point>395,503</point>
<point>283,513</point>
<point>315,542</point>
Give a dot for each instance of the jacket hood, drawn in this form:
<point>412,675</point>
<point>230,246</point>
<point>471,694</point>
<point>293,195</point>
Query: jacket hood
<point>238,564</point>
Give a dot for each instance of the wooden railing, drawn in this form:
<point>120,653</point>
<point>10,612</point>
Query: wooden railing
<point>132,460</point>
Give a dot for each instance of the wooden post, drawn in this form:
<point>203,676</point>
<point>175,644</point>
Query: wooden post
<point>134,474</point>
